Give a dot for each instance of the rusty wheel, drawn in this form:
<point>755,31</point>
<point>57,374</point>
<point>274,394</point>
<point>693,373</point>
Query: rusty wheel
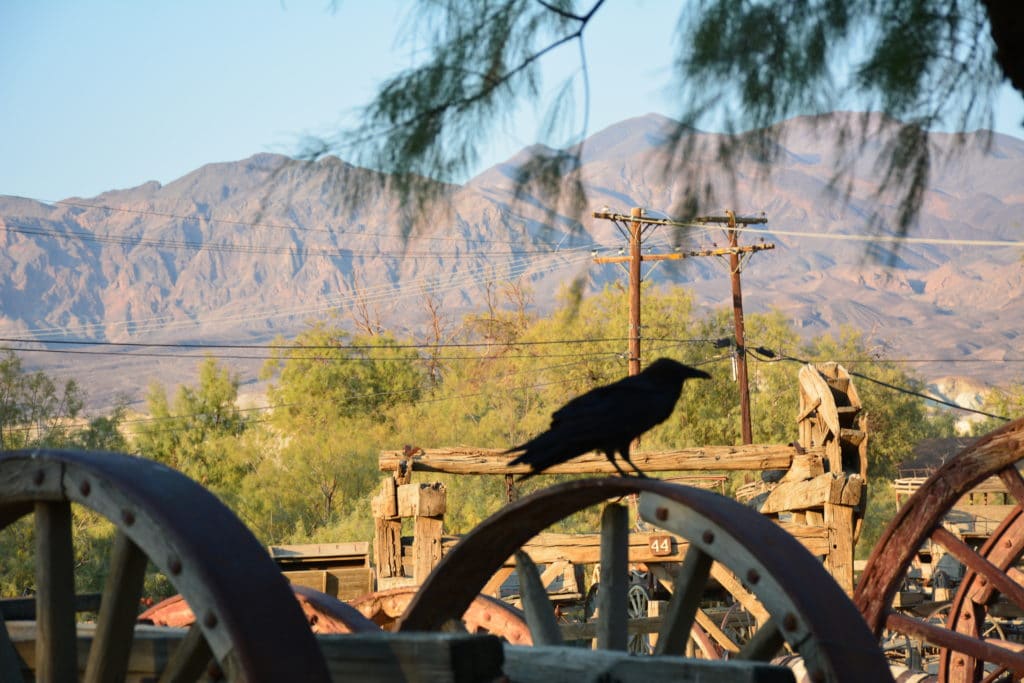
<point>790,584</point>
<point>324,613</point>
<point>250,623</point>
<point>969,649</point>
<point>484,614</point>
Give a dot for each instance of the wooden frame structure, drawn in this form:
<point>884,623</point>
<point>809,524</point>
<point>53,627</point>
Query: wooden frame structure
<point>819,498</point>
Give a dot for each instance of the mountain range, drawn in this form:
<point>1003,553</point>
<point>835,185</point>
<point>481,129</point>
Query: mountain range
<point>240,252</point>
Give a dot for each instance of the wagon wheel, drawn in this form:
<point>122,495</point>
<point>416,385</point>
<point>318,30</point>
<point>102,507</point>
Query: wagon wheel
<point>790,583</point>
<point>324,613</point>
<point>637,602</point>
<point>991,579</point>
<point>484,614</point>
<point>250,623</point>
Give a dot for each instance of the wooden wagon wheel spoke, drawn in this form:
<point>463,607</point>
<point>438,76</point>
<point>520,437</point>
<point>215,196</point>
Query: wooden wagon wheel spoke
<point>968,651</point>
<point>56,642</point>
<point>982,650</point>
<point>190,658</point>
<point>1014,483</point>
<point>537,608</point>
<point>188,534</point>
<point>716,633</point>
<point>685,602</point>
<point>612,628</point>
<point>790,583</point>
<point>993,575</point>
<point>764,644</point>
<point>10,663</point>
<point>115,627</point>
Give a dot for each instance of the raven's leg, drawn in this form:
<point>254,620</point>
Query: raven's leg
<point>625,456</point>
<point>611,458</point>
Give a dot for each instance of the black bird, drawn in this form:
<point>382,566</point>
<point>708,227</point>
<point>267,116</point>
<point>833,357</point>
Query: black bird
<point>608,418</point>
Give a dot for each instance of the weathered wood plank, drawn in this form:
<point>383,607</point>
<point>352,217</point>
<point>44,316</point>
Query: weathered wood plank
<point>387,547</point>
<point>363,658</point>
<point>108,658</point>
<point>814,493</point>
<point>24,609</point>
<point>587,630</point>
<point>421,500</point>
<point>493,585</point>
<point>55,593</point>
<point>839,520</point>
<point>547,547</point>
<point>426,549</point>
<point>413,657</point>
<point>576,665</point>
<point>614,572</point>
<point>355,553</point>
<point>385,503</point>
<point>495,461</point>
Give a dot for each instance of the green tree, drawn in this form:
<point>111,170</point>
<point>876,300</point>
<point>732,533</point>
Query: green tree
<point>740,65</point>
<point>326,375</point>
<point>1006,401</point>
<point>193,434</point>
<point>34,410</point>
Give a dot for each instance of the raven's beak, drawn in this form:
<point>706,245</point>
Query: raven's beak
<point>694,372</point>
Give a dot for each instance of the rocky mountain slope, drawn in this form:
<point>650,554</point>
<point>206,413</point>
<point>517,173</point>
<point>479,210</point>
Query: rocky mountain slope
<point>243,251</point>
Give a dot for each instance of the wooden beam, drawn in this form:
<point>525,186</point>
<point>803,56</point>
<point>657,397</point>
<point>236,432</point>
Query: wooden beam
<point>549,547</point>
<point>468,460</point>
<point>360,658</point>
<point>577,665</point>
<point>827,488</point>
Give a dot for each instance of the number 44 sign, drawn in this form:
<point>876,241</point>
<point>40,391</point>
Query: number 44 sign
<point>661,545</point>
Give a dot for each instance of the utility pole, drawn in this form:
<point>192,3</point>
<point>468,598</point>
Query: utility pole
<point>635,233</point>
<point>738,257</point>
<point>735,266</point>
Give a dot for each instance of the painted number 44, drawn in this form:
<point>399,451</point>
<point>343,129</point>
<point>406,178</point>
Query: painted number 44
<point>661,545</point>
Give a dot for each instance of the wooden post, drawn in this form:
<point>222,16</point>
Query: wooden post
<point>612,631</point>
<point>839,561</point>
<point>387,531</point>
<point>426,504</point>
<point>737,314</point>
<point>634,290</point>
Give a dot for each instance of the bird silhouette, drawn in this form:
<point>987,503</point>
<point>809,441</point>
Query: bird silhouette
<point>608,418</point>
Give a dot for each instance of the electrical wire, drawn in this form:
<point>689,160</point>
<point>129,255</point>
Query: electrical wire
<point>256,224</point>
<point>902,239</point>
<point>771,357</point>
<point>233,248</point>
<point>482,276</point>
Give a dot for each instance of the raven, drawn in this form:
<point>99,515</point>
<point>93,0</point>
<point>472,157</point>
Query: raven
<point>608,418</point>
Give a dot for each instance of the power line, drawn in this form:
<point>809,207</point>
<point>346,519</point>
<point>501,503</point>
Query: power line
<point>255,224</point>
<point>234,248</point>
<point>346,347</point>
<point>900,239</point>
<point>486,274</point>
<point>771,356</point>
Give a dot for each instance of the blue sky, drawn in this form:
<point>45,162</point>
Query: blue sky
<point>106,95</point>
